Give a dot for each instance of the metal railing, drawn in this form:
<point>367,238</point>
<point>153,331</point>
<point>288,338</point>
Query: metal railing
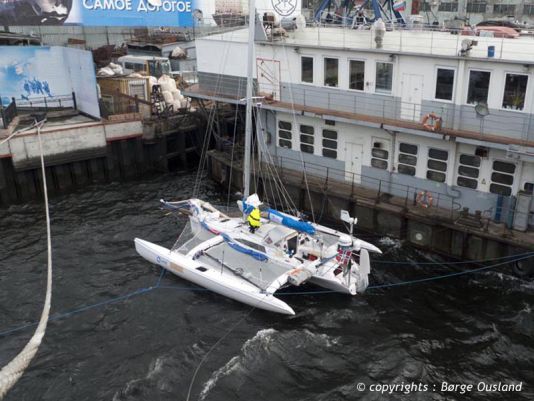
<point>48,103</point>
<point>511,124</point>
<point>8,113</point>
<point>354,184</point>
<point>384,108</point>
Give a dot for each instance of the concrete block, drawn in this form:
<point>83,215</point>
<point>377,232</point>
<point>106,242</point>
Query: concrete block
<point>388,223</point>
<point>366,217</point>
<point>494,250</point>
<point>334,205</point>
<point>419,234</point>
<point>475,249</point>
<point>441,239</point>
<point>457,244</point>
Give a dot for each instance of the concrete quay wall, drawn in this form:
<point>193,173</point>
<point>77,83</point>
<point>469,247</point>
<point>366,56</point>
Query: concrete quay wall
<point>97,152</point>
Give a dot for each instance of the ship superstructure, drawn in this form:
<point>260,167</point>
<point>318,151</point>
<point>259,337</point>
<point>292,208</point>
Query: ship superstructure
<point>437,110</point>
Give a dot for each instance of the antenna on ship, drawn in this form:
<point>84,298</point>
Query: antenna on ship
<point>248,118</point>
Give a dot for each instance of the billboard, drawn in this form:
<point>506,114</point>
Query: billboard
<point>97,12</point>
<point>30,73</point>
<point>142,13</point>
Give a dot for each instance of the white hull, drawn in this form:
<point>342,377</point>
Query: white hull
<point>219,281</point>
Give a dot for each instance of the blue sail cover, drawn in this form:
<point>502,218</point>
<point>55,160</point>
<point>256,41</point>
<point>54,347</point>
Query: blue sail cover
<point>280,218</point>
<point>240,248</point>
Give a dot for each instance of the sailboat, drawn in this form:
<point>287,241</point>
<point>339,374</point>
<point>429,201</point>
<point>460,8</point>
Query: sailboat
<point>222,253</point>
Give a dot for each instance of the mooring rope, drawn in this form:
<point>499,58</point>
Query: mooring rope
<point>159,286</point>
<point>11,373</point>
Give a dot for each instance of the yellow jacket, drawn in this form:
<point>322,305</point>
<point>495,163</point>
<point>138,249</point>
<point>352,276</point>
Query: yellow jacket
<point>254,218</point>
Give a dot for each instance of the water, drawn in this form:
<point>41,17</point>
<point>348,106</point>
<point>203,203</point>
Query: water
<point>461,330</point>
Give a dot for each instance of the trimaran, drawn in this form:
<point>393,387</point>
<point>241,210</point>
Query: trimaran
<point>221,254</point>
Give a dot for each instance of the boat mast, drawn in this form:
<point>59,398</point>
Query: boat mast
<point>248,120</point>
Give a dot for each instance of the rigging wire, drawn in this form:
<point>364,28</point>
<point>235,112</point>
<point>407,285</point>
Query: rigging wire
<point>291,98</point>
<point>209,126</point>
<point>11,373</point>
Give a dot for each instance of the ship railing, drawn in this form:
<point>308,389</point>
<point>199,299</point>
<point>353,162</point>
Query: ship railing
<point>507,123</point>
<point>444,206</point>
<point>331,180</point>
<point>512,124</point>
<point>419,40</point>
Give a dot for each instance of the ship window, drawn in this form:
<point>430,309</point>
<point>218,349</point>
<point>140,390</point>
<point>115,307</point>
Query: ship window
<point>438,154</point>
<point>470,160</point>
<point>504,167</point>
<point>502,178</point>
<point>444,84</point>
<point>468,171</point>
<point>284,134</point>
<point>426,6</point>
<point>408,148</point>
<point>306,64</point>
<point>528,187</point>
<point>466,182</point>
<point>508,9</point>
<point>478,87</point>
<point>407,158</point>
<point>528,9</point>
<point>514,91</point>
<point>380,156</point>
<point>448,6</point>
<point>306,138</point>
<point>357,74</point>
<point>476,6</point>
<point>331,71</point>
<point>330,143</point>
<point>437,164</point>
<point>384,77</point>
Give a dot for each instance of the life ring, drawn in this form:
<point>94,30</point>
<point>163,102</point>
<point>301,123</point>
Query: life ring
<point>424,199</point>
<point>435,125</point>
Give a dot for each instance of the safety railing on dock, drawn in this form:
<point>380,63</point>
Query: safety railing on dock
<point>48,103</point>
<point>351,184</point>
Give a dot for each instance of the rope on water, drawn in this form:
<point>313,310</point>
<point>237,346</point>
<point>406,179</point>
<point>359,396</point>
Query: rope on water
<point>314,292</point>
<point>10,374</point>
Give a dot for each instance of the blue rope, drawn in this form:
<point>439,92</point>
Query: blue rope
<point>81,309</point>
<point>159,286</point>
<point>396,262</point>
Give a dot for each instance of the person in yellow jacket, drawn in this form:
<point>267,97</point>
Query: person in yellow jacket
<point>254,220</point>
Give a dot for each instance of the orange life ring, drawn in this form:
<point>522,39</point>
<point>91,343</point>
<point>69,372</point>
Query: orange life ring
<point>436,122</point>
<point>424,199</point>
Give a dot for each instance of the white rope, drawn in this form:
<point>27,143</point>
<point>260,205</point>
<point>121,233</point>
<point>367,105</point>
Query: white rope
<point>16,133</point>
<point>11,373</point>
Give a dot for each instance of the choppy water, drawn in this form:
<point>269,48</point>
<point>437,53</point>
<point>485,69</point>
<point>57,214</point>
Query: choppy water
<point>460,330</point>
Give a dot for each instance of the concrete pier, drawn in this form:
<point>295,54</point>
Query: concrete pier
<point>80,154</point>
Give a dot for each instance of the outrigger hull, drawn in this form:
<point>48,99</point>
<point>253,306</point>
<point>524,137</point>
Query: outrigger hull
<point>223,283</point>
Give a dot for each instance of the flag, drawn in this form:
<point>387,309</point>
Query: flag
<point>399,5</point>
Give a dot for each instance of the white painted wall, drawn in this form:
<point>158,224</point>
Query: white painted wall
<point>230,58</point>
